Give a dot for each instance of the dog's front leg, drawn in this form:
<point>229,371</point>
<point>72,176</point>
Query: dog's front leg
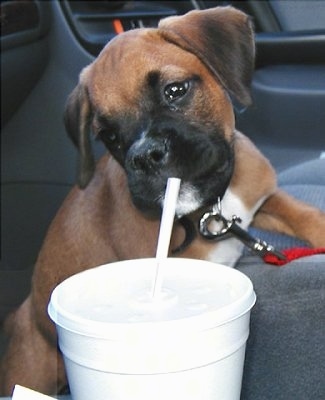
<point>30,359</point>
<point>285,214</point>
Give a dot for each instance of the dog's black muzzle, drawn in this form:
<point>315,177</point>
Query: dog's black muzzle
<point>202,160</point>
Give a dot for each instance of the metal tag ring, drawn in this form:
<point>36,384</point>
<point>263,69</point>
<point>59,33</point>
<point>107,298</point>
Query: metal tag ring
<point>204,226</point>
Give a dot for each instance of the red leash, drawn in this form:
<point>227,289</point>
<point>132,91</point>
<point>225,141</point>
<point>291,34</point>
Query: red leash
<point>292,254</point>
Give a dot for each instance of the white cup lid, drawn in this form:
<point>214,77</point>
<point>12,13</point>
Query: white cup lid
<point>196,295</point>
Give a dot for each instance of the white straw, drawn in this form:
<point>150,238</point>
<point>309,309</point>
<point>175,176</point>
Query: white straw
<point>165,231</point>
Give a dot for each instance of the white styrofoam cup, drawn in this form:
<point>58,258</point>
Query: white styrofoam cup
<point>188,342</point>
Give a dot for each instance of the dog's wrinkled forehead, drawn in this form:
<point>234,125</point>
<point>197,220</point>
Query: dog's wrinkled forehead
<point>219,40</point>
<point>131,62</point>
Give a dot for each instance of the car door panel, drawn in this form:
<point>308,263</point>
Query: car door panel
<point>38,161</point>
<point>24,26</point>
<point>288,88</point>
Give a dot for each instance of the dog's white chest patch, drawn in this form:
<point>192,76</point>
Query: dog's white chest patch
<point>188,201</point>
<point>228,251</point>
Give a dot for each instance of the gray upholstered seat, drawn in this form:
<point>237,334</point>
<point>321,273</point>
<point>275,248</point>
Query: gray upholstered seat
<point>285,357</point>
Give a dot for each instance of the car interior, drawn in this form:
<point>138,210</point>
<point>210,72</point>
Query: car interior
<point>45,45</point>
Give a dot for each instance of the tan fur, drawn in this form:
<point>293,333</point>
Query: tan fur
<point>210,102</point>
<point>254,177</point>
<point>283,213</point>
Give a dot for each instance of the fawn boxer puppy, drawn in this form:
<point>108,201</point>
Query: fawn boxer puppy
<point>160,99</point>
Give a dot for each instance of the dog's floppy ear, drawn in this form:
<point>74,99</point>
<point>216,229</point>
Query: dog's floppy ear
<point>77,118</point>
<point>222,38</point>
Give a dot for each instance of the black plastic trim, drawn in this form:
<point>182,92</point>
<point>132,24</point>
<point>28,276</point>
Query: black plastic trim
<point>93,25</point>
<point>31,31</point>
<point>305,47</point>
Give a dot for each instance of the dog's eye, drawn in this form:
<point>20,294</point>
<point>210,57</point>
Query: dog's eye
<point>107,131</point>
<point>108,136</point>
<point>176,90</point>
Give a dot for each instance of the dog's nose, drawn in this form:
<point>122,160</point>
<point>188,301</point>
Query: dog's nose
<point>150,155</point>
